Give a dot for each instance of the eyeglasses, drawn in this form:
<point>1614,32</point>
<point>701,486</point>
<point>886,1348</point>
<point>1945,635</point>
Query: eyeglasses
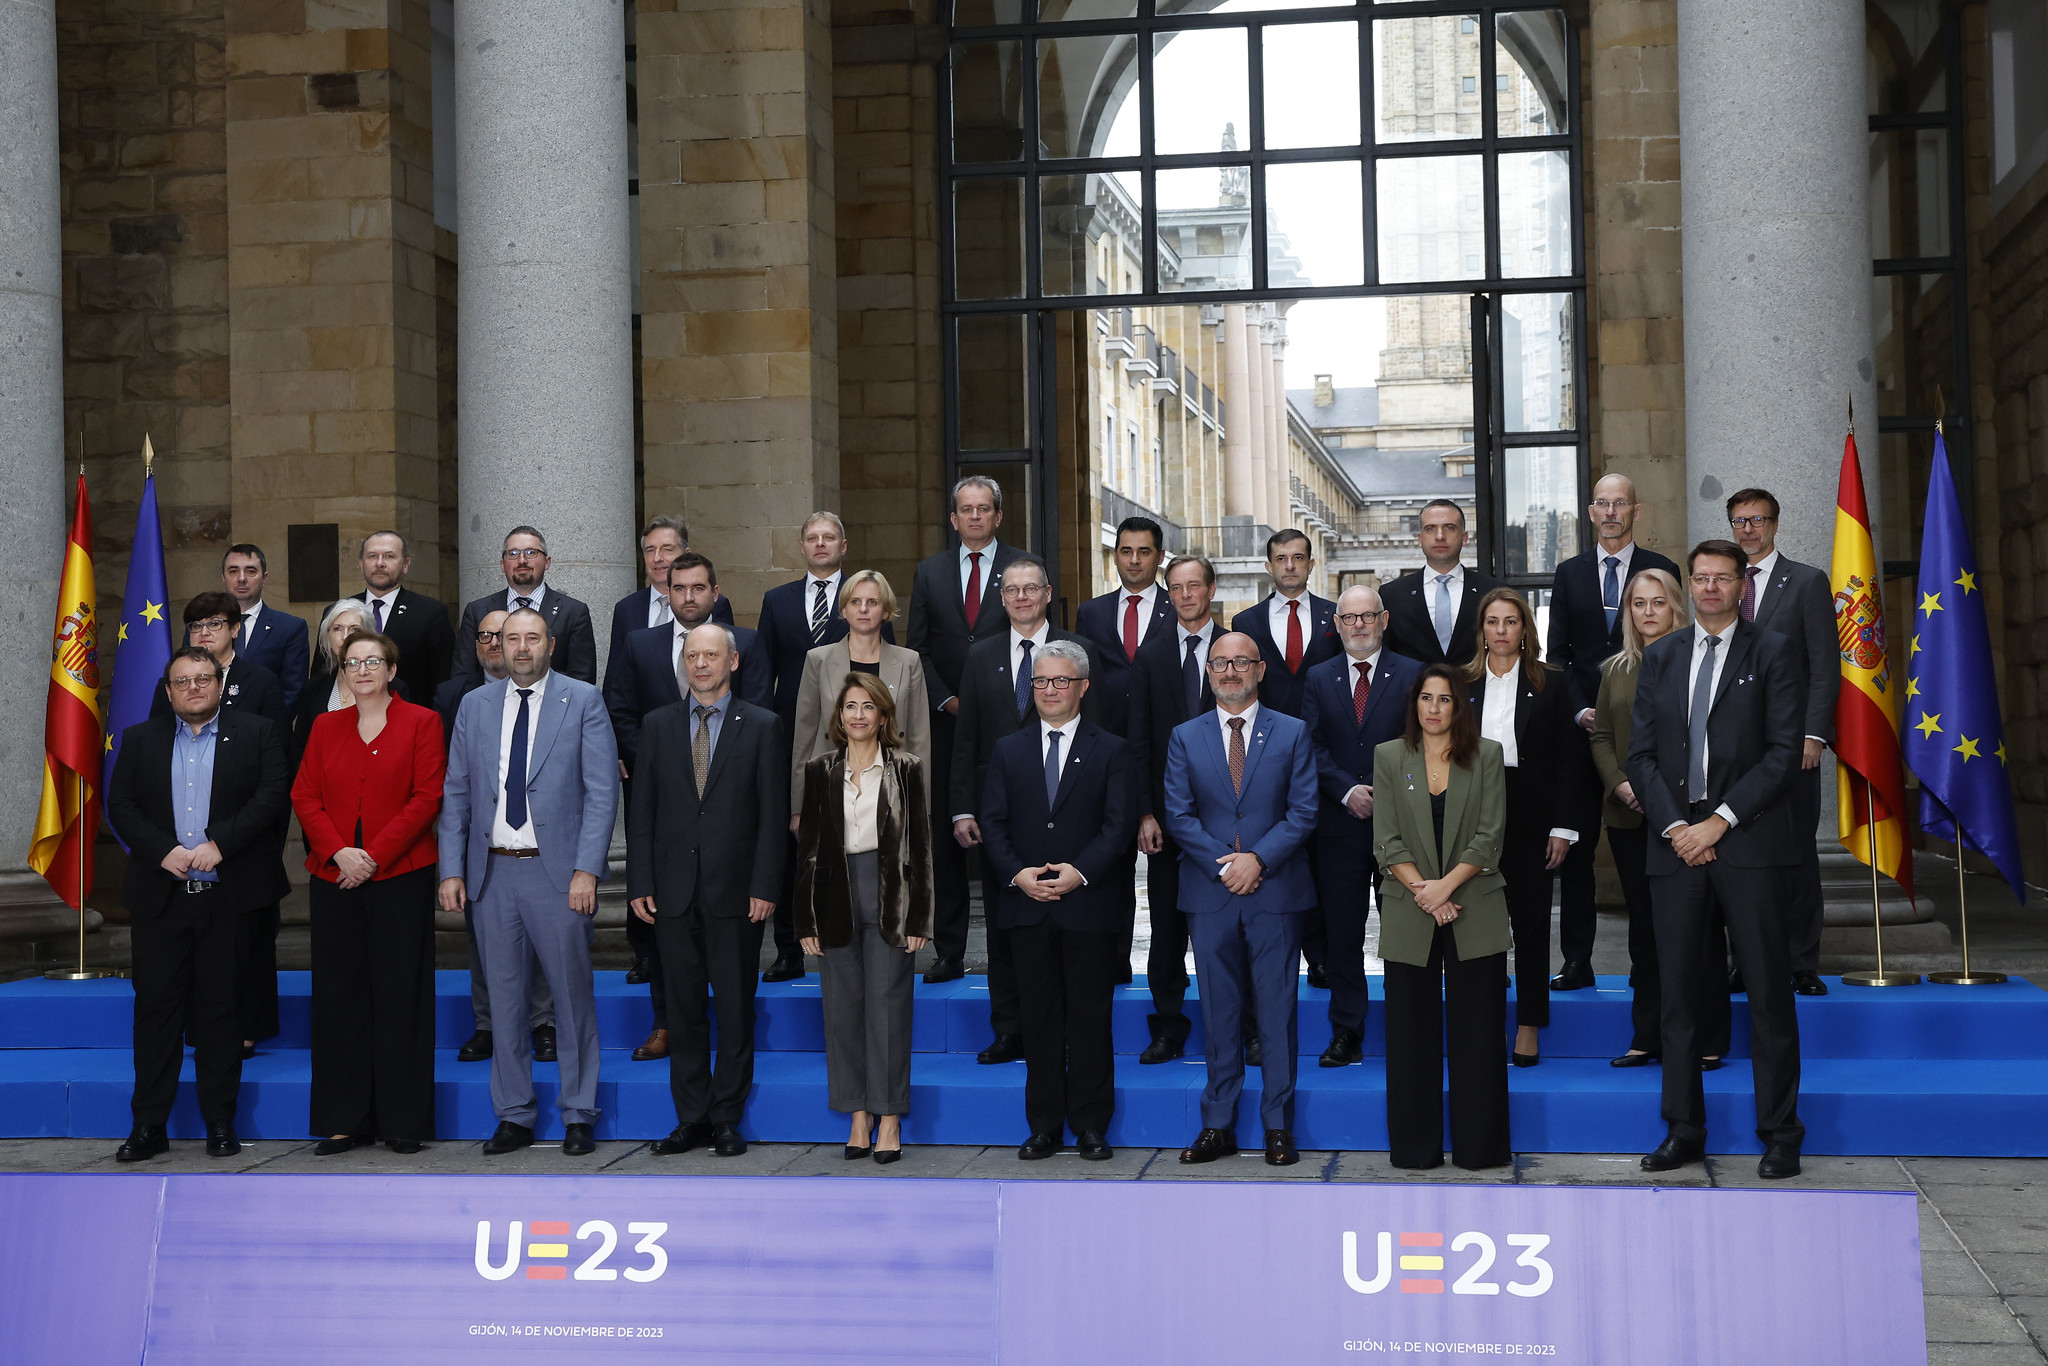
<point>1612,505</point>
<point>210,624</point>
<point>527,554</point>
<point>1745,523</point>
<point>1054,684</point>
<point>1023,590</point>
<point>486,637</point>
<point>1231,666</point>
<point>363,666</point>
<point>195,683</point>
<point>1715,580</point>
<point>1360,618</point>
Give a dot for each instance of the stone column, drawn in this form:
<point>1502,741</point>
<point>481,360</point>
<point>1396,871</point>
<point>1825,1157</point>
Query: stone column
<point>1240,479</point>
<point>32,515</point>
<point>1278,463</point>
<point>544,330</point>
<point>1255,418</point>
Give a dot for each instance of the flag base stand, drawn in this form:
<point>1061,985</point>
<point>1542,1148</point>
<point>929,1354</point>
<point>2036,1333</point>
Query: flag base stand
<point>77,975</point>
<point>1966,979</point>
<point>1879,978</point>
<point>81,973</point>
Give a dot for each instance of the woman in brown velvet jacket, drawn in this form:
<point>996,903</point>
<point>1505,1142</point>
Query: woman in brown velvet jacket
<point>864,904</point>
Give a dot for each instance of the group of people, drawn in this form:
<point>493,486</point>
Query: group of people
<point>1412,747</point>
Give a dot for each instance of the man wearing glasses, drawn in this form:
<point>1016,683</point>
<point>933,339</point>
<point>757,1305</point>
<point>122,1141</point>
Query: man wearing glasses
<point>524,562</point>
<point>1586,610</point>
<point>996,699</point>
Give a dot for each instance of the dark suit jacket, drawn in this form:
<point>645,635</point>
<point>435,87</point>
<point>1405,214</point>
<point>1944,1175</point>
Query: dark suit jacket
<point>1101,619</point>
<point>1753,744</point>
<point>1344,746</point>
<point>1411,631</point>
<point>426,643</point>
<point>629,614</point>
<point>647,682</point>
<point>988,712</point>
<point>246,813</point>
<point>938,628</point>
<point>714,849</point>
<point>1799,605</point>
<point>1579,639</point>
<point>1282,690</point>
<point>784,638</point>
<point>251,689</point>
<point>568,622</point>
<point>1159,702</point>
<point>1555,788</point>
<point>448,699</point>
<point>280,645</point>
<point>1090,823</point>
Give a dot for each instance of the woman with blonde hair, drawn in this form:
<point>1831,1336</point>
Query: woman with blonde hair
<point>866,602</point>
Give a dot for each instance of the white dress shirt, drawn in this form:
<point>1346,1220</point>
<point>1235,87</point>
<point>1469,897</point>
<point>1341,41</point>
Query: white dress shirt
<point>249,615</point>
<point>390,601</point>
<point>1372,674</point>
<point>1250,716</point>
<point>1017,665</point>
<point>1692,680</point>
<point>988,560</point>
<point>658,611</point>
<point>1147,598</point>
<point>832,586</point>
<point>1626,555</point>
<point>1276,620</point>
<point>533,597</point>
<point>1497,723</point>
<point>862,799</point>
<point>1066,733</point>
<point>1763,569</point>
<point>503,836</point>
<point>1453,584</point>
<point>1206,636</point>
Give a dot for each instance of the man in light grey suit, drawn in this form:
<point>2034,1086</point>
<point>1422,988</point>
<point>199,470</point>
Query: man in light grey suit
<point>526,817</point>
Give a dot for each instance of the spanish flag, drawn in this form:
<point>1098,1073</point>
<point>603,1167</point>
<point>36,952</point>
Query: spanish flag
<point>68,820</point>
<point>1869,777</point>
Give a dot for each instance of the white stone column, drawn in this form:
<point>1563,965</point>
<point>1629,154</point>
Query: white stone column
<point>1279,463</point>
<point>544,339</point>
<point>1255,418</point>
<point>1240,485</point>
<point>32,511</point>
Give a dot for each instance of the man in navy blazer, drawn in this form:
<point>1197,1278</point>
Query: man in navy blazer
<point>1122,620</point>
<point>648,677</point>
<point>1058,813</point>
<point>1241,803</point>
<point>267,636</point>
<point>1433,612</point>
<point>1294,629</point>
<point>524,559</point>
<point>663,539</point>
<point>1354,702</point>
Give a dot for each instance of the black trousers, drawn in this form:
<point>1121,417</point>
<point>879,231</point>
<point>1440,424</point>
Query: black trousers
<point>1577,916</point>
<point>1066,980</point>
<point>188,964</point>
<point>949,861</point>
<point>1529,886</point>
<point>783,923</point>
<point>373,1007</point>
<point>256,992</point>
<point>1346,876</point>
<point>723,953</point>
<point>1166,961</point>
<point>1630,846</point>
<point>1003,1017</point>
<point>1806,911</point>
<point>1455,1007</point>
<point>1753,904</point>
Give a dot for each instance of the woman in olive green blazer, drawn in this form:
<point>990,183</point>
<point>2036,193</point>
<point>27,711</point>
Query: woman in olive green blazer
<point>1439,814</point>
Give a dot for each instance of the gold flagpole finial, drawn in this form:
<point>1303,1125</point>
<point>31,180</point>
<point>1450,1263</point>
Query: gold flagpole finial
<point>1852,413</point>
<point>148,455</point>
<point>1940,408</point>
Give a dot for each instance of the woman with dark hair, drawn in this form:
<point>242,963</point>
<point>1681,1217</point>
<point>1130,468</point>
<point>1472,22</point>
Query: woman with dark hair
<point>1522,706</point>
<point>1439,811</point>
<point>864,904</point>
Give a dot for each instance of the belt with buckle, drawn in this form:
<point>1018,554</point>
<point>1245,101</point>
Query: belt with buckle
<point>193,887</point>
<point>516,853</point>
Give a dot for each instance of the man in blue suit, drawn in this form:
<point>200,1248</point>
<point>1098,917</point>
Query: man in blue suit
<point>526,820</point>
<point>274,639</point>
<point>1241,804</point>
<point>661,541</point>
<point>1353,702</point>
<point>1293,628</point>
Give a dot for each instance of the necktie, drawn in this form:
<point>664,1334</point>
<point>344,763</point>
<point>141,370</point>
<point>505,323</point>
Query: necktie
<point>1442,618</point>
<point>1610,591</point>
<point>817,608</point>
<point>377,611</point>
<point>1749,594</point>
<point>1294,636</point>
<point>1702,703</point>
<point>1237,754</point>
<point>1191,676</point>
<point>1131,626</point>
<point>682,676</point>
<point>1362,693</point>
<point>515,766</point>
<point>970,605</point>
<point>242,635</point>
<point>663,613</point>
<point>1024,682</point>
<point>1052,767</point>
<point>700,747</point>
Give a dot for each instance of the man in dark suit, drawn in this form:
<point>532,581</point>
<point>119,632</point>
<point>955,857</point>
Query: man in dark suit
<point>661,541</point>
<point>274,639</point>
<point>199,797</point>
<point>1586,610</point>
<point>1121,621</point>
<point>1058,812</point>
<point>417,623</point>
<point>954,603</point>
<point>704,866</point>
<point>524,560</point>
<point>1354,703</point>
<point>1241,804</point>
<point>1294,629</point>
<point>1433,613</point>
<point>1795,601</point>
<point>1716,741</point>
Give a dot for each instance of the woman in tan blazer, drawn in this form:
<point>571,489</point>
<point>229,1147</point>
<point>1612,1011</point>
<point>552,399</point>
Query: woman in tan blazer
<point>866,601</point>
<point>1439,815</point>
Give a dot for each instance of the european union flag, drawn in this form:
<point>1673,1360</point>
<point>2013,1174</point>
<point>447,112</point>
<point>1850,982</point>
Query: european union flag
<point>1955,741</point>
<point>143,646</point>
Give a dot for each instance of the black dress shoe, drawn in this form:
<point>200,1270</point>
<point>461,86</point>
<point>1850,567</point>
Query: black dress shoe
<point>1736,986</point>
<point>682,1138</point>
<point>476,1049</point>
<point>944,970</point>
<point>1674,1153</point>
<point>404,1147</point>
<point>1280,1148</point>
<point>1090,1146</point>
<point>1525,1059</point>
<point>221,1140</point>
<point>330,1147</point>
<point>1006,1048</point>
<point>249,1049</point>
<point>577,1141</point>
<point>1780,1161</point>
<point>544,1043</point>
<point>1318,977</point>
<point>854,1154</point>
<point>638,975</point>
<point>1633,1060</point>
<point>1576,975</point>
<point>144,1142</point>
<point>786,968</point>
<point>1252,1052</point>
<point>1038,1147</point>
<point>1122,976</point>
<point>1710,1064</point>
<point>1209,1145</point>
<point>1169,1038</point>
<point>1345,1047</point>
<point>726,1140</point>
<point>509,1138</point>
<point>1807,983</point>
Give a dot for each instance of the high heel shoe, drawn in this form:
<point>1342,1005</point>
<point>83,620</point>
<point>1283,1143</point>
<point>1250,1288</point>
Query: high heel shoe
<point>1525,1059</point>
<point>1633,1060</point>
<point>854,1154</point>
<point>328,1147</point>
<point>887,1155</point>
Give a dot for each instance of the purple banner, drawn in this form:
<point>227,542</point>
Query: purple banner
<point>232,1269</point>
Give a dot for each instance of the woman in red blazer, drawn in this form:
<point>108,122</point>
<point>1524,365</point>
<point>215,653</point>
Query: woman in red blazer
<point>367,794</point>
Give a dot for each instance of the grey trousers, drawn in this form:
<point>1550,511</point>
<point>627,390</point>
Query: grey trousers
<point>868,1001</point>
<point>518,915</point>
<point>540,1002</point>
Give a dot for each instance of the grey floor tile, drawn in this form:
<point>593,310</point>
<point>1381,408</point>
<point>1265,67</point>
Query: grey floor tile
<point>56,1154</point>
<point>1003,1164</point>
<point>1982,1233</point>
<point>1598,1169</point>
<point>1373,1166</point>
<point>1951,1273</point>
<point>189,1155</point>
<point>1972,1318</point>
<point>1248,1165</point>
<point>1977,1171</point>
<point>919,1159</point>
<point>2009,1200</point>
<point>2033,1313</point>
<point>2017,1273</point>
<point>1981,1354</point>
<point>1815,1173</point>
<point>760,1159</point>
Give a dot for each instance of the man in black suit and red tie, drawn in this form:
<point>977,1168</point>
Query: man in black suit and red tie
<point>1295,630</point>
<point>1433,613</point>
<point>661,541</point>
<point>954,602</point>
<point>1586,608</point>
<point>416,623</point>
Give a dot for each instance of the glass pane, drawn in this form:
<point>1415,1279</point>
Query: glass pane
<point>1245,6</point>
<point>979,13</point>
<point>1427,85</point>
<point>992,354</point>
<point>1057,11</point>
<point>1535,214</point>
<point>1430,224</point>
<point>1312,85</point>
<point>1530,74</point>
<point>1205,228</point>
<point>1090,228</point>
<point>1201,98</point>
<point>1542,508</point>
<point>1911,320</point>
<point>1083,86</point>
<point>1909,193</point>
<point>988,102</point>
<point>1539,362</point>
<point>1907,65</point>
<point>1315,224</point>
<point>988,238</point>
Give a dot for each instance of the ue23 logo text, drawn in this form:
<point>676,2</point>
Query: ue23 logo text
<point>1421,1265</point>
<point>548,1256</point>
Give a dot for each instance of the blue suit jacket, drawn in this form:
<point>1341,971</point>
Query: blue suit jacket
<point>784,638</point>
<point>1281,690</point>
<point>629,614</point>
<point>1090,823</point>
<point>1343,746</point>
<point>572,785</point>
<point>1101,619</point>
<point>280,645</point>
<point>1272,817</point>
<point>644,681</point>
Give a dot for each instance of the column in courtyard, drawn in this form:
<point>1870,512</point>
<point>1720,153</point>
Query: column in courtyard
<point>1255,418</point>
<point>1278,467</point>
<point>1240,479</point>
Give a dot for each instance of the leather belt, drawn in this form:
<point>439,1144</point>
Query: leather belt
<point>194,888</point>
<point>515,853</point>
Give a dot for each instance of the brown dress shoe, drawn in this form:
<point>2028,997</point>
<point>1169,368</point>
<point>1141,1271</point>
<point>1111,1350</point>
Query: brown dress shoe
<point>655,1047</point>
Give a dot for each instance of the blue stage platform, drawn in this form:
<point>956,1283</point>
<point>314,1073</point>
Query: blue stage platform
<point>1926,1070</point>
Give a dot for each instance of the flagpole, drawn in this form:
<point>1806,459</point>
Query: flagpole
<point>85,835</point>
<point>1965,978</point>
<point>1880,978</point>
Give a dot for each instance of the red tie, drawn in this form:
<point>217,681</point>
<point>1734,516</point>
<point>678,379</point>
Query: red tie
<point>971,604</point>
<point>1361,693</point>
<point>1294,636</point>
<point>1131,626</point>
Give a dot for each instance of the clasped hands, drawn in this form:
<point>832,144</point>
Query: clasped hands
<point>1035,883</point>
<point>1695,843</point>
<point>1433,898</point>
<point>181,862</point>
